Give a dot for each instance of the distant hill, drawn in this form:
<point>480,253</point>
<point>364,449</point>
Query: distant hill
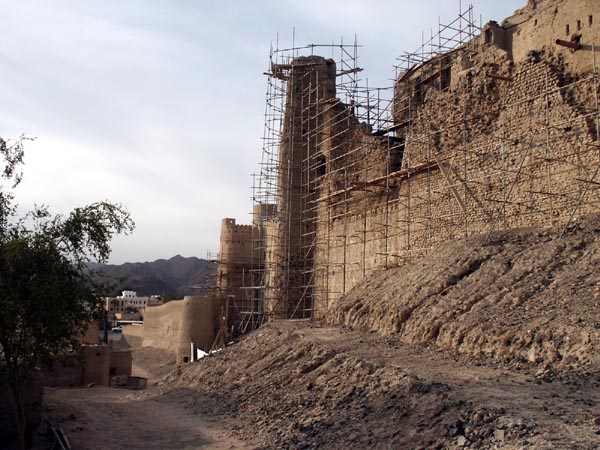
<point>171,278</point>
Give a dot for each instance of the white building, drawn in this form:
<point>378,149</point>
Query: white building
<point>131,299</point>
<point>128,299</point>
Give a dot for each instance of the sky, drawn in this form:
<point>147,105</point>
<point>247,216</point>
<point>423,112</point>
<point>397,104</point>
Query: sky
<point>158,105</point>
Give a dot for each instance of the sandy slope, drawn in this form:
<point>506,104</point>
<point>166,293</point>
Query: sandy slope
<point>524,295</point>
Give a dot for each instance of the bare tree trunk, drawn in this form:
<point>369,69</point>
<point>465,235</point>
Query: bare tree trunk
<point>16,392</point>
<point>105,326</point>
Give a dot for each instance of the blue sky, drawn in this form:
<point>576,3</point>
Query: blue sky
<point>159,104</point>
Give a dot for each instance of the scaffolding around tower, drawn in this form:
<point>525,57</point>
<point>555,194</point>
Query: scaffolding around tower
<point>355,179</point>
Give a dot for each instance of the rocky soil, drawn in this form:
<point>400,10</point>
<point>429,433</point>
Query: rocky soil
<point>520,296</point>
<point>303,385</point>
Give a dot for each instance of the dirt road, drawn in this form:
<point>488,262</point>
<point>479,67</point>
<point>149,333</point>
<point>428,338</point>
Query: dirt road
<point>110,418</point>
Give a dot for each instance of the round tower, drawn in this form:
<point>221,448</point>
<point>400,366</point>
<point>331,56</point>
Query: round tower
<point>196,326</point>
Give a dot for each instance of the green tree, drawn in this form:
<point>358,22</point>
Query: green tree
<point>47,296</point>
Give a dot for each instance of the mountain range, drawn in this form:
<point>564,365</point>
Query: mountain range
<point>171,278</point>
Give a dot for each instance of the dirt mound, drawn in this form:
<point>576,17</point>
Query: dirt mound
<point>295,385</point>
<point>521,295</point>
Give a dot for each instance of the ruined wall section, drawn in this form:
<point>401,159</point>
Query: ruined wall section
<point>351,204</point>
<point>494,137</point>
<point>352,155</point>
<point>537,26</point>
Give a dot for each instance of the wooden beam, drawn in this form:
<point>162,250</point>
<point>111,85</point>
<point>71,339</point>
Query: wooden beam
<point>404,173</point>
<point>572,45</point>
<point>349,71</point>
<point>385,131</point>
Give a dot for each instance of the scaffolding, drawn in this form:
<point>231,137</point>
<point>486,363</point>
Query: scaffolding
<point>384,180</point>
<point>266,184</point>
<point>449,37</point>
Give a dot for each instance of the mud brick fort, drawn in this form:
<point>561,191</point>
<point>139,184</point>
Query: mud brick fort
<point>486,128</point>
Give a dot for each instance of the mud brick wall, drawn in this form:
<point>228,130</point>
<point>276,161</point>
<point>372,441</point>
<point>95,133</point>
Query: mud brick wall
<point>174,325</point>
<point>509,142</point>
<point>161,325</point>
<point>96,367</point>
<point>197,326</point>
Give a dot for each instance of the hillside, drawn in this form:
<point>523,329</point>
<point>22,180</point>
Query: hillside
<point>522,296</point>
<point>171,278</point>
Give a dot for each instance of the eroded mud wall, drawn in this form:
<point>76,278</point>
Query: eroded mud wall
<point>501,133</point>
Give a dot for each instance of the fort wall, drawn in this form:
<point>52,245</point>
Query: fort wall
<point>197,326</point>
<point>501,132</point>
<point>161,325</point>
<point>176,324</point>
<point>508,141</point>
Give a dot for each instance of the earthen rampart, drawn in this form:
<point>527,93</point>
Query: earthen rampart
<point>501,132</point>
<point>509,140</point>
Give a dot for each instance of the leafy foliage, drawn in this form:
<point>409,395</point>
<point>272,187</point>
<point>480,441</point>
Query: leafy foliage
<point>13,157</point>
<point>47,297</point>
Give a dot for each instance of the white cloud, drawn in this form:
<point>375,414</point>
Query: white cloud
<point>158,105</point>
